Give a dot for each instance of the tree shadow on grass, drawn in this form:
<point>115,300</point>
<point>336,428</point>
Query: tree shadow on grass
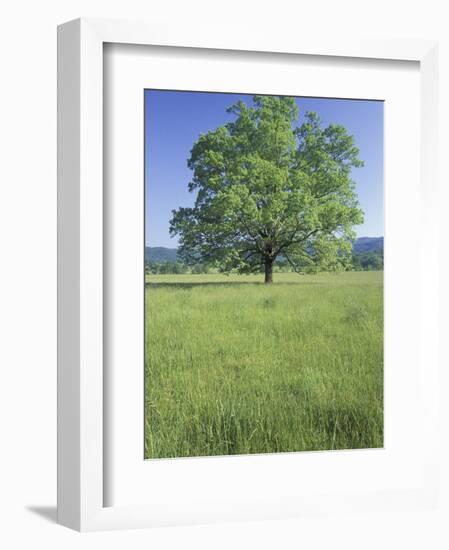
<point>189,284</point>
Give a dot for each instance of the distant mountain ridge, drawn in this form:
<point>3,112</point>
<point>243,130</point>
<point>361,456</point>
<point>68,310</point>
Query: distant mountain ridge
<point>162,254</point>
<point>368,244</point>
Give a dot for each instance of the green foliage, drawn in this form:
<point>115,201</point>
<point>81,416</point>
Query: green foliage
<point>368,261</point>
<point>223,377</point>
<point>268,188</point>
<point>165,268</point>
<point>174,268</point>
<point>200,268</point>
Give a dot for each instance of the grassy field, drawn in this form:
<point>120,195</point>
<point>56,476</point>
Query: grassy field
<point>234,366</point>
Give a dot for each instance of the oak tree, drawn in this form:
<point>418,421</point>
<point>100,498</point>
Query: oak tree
<point>268,187</point>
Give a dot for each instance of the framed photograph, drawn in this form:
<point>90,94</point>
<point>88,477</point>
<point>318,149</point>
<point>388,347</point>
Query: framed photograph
<point>277,196</point>
<point>240,333</point>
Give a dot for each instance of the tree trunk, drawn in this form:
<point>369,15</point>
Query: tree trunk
<point>268,270</point>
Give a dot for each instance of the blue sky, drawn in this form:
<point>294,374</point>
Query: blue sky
<point>174,121</point>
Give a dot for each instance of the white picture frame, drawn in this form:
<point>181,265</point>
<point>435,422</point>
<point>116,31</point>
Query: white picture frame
<point>81,385</point>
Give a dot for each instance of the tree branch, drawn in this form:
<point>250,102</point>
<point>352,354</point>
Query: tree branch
<point>295,268</point>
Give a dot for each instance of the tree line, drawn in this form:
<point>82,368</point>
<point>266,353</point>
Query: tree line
<point>361,261</point>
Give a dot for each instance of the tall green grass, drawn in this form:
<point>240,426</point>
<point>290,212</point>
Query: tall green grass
<point>233,366</point>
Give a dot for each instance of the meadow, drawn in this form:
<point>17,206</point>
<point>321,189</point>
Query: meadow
<point>233,366</point>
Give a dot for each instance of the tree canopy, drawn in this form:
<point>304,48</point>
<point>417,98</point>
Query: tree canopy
<point>266,188</point>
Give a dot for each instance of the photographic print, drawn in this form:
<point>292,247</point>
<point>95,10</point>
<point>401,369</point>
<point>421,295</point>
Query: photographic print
<point>263,274</point>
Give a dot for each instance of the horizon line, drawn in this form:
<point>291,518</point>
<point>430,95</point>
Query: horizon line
<point>176,247</point>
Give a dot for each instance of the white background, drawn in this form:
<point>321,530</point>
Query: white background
<point>28,270</point>
<point>189,485</point>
